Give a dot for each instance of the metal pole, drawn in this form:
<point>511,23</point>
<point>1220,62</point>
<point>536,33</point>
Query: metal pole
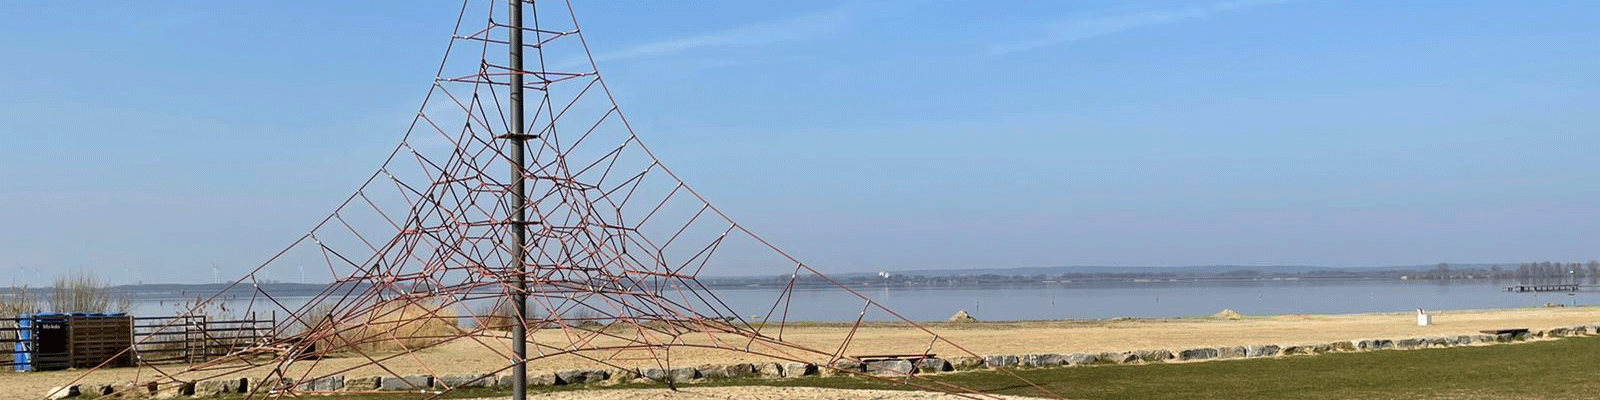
<point>519,216</point>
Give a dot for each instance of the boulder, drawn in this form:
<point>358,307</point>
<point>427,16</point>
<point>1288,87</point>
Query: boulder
<point>1043,360</point>
<point>933,365</point>
<point>100,390</point>
<point>1325,348</point>
<point>1230,352</point>
<point>405,383</point>
<point>743,370</point>
<point>1410,343</point>
<point>325,384</point>
<point>1150,356</point>
<point>581,376</point>
<point>962,316</point>
<point>713,371</point>
<point>1080,359</point>
<point>1126,357</point>
<point>769,370</point>
<point>1001,361</point>
<point>1345,346</point>
<point>1197,354</point>
<point>654,374</point>
<point>845,366</point>
<point>891,367</point>
<point>1296,350</point>
<point>62,392</point>
<point>172,391</point>
<point>620,376</point>
<point>212,388</point>
<point>463,381</point>
<point>966,363</point>
<point>682,374</point>
<point>1261,350</point>
<point>798,369</point>
<point>370,383</point>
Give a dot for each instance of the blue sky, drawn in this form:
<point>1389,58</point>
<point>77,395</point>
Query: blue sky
<point>149,140</point>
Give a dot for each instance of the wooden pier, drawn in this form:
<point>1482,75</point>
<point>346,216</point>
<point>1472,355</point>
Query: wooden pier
<point>1543,288</point>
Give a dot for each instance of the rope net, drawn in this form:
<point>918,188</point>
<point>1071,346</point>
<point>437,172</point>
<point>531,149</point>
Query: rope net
<point>421,262</point>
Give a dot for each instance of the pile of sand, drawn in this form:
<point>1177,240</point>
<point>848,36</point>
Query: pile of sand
<point>1227,313</point>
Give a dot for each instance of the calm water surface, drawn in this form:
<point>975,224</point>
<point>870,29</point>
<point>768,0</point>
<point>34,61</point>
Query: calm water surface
<point>1098,300</point>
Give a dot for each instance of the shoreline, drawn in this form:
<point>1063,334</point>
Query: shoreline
<point>1094,336</point>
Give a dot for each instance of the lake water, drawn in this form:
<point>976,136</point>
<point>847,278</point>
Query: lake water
<point>1101,300</point>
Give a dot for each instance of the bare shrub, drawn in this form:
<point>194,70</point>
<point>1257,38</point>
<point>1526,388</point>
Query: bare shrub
<point>17,302</point>
<point>389,327</point>
<point>85,292</point>
<point>14,303</point>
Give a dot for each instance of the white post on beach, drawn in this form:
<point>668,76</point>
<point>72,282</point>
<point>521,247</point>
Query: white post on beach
<point>1423,319</point>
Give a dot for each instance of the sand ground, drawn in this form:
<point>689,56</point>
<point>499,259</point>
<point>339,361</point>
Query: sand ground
<point>815,340</point>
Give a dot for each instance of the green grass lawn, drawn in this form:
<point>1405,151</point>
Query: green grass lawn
<point>1562,369</point>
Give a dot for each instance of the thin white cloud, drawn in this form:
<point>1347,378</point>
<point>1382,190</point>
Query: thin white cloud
<point>1083,28</point>
<point>802,26</point>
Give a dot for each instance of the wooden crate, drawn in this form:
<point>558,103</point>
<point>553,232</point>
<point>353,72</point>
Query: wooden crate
<point>96,339</point>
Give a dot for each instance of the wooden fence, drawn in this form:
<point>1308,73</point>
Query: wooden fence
<point>88,341</point>
<point>194,339</point>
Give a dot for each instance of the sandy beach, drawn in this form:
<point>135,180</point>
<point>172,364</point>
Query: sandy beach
<point>983,338</point>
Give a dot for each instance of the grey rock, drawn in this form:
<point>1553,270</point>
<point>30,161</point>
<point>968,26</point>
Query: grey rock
<point>1261,350</point>
<point>713,371</point>
<point>845,366</point>
<point>1296,350</point>
<point>581,376</point>
<point>1230,352</point>
<point>966,363</point>
<point>933,365</point>
<point>654,374</point>
<point>1155,355</point>
<point>891,367</point>
<point>62,392</point>
<point>769,370</point>
<point>1043,360</point>
<point>101,389</point>
<point>797,369</point>
<point>1080,359</point>
<point>211,388</point>
<point>682,374</point>
<point>173,391</point>
<point>370,383</point>
<point>407,383</point>
<point>1001,361</point>
<point>1197,354</point>
<point>743,370</point>
<point>1126,357</point>
<point>463,381</point>
<point>1410,343</point>
<point>1344,346</point>
<point>327,383</point>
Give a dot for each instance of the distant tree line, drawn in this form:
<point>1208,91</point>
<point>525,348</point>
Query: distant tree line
<point>1536,270</point>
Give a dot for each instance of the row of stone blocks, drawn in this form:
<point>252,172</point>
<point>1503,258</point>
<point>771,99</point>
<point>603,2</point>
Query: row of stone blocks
<point>797,369</point>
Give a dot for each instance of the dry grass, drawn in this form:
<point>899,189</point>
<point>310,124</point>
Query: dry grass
<point>85,292</point>
<point>394,326</point>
